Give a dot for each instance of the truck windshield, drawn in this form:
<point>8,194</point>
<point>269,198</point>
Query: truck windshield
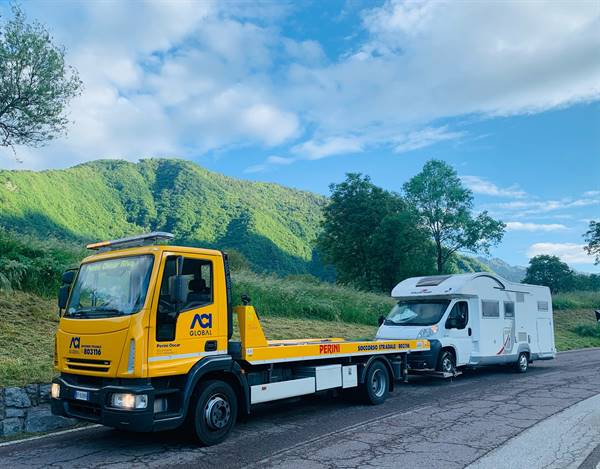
<point>113,287</point>
<point>417,313</point>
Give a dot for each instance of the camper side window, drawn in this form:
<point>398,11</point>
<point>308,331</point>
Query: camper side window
<point>490,309</point>
<point>459,316</point>
<point>509,309</point>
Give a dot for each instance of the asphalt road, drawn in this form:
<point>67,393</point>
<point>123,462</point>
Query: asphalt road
<point>427,422</point>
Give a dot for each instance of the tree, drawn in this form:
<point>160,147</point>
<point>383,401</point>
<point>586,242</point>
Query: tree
<point>592,237</point>
<point>370,236</point>
<point>35,84</point>
<point>549,271</point>
<point>445,207</point>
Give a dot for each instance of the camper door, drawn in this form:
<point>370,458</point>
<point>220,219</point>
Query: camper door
<point>457,331</point>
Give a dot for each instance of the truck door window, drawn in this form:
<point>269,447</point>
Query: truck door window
<point>199,276</point>
<point>459,316</point>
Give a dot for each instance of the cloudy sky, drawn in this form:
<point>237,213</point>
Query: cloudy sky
<point>299,94</point>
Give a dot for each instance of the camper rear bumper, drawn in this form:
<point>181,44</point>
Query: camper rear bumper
<point>426,360</point>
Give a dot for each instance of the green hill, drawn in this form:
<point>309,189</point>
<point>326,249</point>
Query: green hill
<point>273,226</point>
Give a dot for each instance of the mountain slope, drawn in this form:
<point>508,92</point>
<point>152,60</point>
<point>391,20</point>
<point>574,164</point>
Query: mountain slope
<point>273,226</point>
<point>514,273</point>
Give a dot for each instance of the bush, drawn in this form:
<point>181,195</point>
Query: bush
<point>303,298</point>
<point>587,330</point>
<point>576,300</point>
<point>32,265</point>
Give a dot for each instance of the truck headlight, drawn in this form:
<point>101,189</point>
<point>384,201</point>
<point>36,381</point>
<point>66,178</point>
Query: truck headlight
<point>427,332</point>
<point>55,390</point>
<point>129,401</point>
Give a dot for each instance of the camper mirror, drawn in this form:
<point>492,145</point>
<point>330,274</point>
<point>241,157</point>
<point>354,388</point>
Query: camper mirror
<point>451,323</point>
<point>380,320</point>
<point>598,315</point>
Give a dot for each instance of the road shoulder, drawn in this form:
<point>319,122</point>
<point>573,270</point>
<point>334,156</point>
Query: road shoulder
<point>565,440</point>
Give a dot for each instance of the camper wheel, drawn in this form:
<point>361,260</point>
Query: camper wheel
<point>522,362</point>
<point>447,362</point>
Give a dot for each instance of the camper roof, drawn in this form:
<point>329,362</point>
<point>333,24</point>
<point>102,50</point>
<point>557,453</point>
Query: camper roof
<point>444,285</point>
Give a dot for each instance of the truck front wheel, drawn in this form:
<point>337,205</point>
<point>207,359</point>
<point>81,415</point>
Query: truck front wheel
<point>215,411</point>
<point>376,385</point>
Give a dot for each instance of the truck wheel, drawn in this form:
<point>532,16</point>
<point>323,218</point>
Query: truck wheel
<point>376,385</point>
<point>446,363</point>
<point>215,411</point>
<point>522,363</point>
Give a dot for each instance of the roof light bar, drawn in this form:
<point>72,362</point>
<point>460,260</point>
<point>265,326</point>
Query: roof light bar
<point>132,241</point>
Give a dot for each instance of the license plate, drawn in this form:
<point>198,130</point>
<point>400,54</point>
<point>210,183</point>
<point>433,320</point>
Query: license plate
<point>82,395</point>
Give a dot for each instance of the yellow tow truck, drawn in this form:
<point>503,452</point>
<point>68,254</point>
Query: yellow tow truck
<point>145,343</point>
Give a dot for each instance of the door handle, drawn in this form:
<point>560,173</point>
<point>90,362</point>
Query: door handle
<point>469,331</point>
<point>210,346</point>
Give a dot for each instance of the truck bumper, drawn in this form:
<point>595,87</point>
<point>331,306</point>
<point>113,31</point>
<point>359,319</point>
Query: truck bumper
<point>426,360</point>
<point>93,404</point>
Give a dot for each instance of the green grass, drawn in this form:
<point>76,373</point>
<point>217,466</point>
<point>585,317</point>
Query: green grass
<point>303,298</point>
<point>576,300</point>
<point>571,329</point>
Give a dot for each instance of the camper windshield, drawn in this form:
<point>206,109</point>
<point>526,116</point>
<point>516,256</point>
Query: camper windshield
<point>112,287</point>
<point>417,313</point>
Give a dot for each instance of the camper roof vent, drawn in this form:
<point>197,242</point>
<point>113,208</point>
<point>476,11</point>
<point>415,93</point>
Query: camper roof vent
<point>132,241</point>
<point>432,281</point>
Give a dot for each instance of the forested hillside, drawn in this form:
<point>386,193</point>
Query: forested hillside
<point>273,226</point>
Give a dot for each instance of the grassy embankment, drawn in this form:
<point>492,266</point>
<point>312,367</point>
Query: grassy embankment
<point>289,308</point>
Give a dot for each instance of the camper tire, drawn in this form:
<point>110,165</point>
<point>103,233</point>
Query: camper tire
<point>214,411</point>
<point>377,383</point>
<point>522,364</point>
<point>446,362</point>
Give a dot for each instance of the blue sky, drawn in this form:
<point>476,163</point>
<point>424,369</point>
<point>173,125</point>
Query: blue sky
<point>300,94</point>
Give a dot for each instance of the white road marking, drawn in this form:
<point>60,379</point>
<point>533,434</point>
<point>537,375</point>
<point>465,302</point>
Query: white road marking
<point>47,435</point>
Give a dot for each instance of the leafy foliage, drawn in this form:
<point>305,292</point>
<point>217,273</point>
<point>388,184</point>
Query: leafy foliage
<point>592,237</point>
<point>371,237</point>
<point>549,271</point>
<point>35,84</point>
<point>445,207</point>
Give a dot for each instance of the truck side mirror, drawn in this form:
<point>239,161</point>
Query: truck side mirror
<point>380,320</point>
<point>179,290</point>
<point>68,277</point>
<point>63,296</point>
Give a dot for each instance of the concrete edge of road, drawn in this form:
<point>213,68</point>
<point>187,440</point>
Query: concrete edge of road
<point>72,430</point>
<point>46,435</point>
<point>578,350</point>
<point>565,439</point>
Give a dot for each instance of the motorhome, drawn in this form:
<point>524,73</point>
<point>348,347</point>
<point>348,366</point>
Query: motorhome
<point>471,319</point>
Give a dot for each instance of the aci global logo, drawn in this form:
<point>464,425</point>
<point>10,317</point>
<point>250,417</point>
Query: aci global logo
<point>75,343</point>
<point>205,323</point>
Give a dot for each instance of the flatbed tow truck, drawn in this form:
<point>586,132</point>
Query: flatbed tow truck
<point>145,343</point>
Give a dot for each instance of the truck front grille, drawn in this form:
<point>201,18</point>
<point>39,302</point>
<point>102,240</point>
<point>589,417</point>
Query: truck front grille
<point>88,364</point>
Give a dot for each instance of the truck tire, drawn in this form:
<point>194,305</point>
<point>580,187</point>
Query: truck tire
<point>446,362</point>
<point>214,412</point>
<point>377,383</point>
<point>522,363</point>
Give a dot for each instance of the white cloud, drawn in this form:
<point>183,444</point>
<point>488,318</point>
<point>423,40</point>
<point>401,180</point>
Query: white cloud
<point>186,77</point>
<point>547,227</point>
<point>482,186</point>
<point>315,150</point>
<point>424,138</point>
<point>591,193</point>
<point>533,207</point>
<point>570,253</point>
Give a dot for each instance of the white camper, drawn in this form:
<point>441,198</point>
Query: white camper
<point>472,319</point>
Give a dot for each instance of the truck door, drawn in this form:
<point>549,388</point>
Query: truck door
<point>181,334</point>
<point>458,331</point>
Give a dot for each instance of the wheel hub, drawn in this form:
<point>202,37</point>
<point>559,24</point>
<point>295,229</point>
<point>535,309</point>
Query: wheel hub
<point>378,383</point>
<point>217,412</point>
